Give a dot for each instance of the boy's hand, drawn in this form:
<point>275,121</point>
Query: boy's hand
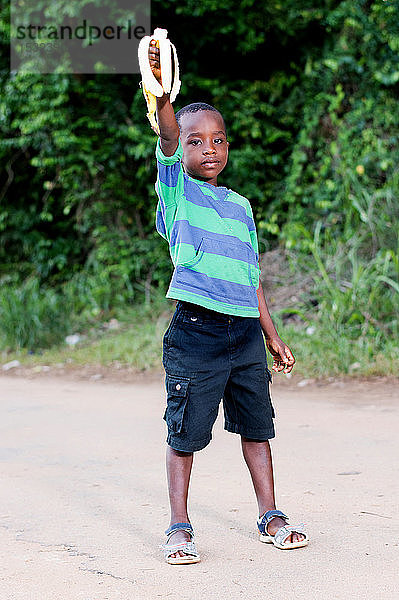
<point>283,359</point>
<point>153,57</point>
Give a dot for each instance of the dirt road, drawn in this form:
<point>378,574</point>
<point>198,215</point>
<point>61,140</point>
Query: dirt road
<point>83,502</point>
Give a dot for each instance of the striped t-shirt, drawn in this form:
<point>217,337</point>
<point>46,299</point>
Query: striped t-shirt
<point>212,240</point>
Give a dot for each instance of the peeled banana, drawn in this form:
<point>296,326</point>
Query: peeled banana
<point>151,87</point>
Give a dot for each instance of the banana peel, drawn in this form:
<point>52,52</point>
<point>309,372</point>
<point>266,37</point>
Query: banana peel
<point>170,78</point>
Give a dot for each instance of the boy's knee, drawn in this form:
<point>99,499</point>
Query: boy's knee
<point>246,439</point>
<point>179,453</point>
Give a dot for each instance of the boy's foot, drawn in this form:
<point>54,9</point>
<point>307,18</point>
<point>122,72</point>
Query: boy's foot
<point>275,524</point>
<point>177,538</point>
<point>181,550</point>
<point>274,529</point>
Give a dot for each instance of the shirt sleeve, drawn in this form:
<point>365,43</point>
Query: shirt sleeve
<point>254,243</point>
<point>255,272</point>
<point>253,235</point>
<point>169,185</point>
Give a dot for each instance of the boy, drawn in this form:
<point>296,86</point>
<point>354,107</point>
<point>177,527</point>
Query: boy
<point>213,347</point>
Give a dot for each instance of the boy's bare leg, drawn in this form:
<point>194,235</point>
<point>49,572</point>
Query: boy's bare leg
<point>178,468</point>
<point>258,457</point>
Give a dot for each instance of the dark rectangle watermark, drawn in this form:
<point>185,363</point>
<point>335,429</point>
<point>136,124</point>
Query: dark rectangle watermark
<point>84,36</point>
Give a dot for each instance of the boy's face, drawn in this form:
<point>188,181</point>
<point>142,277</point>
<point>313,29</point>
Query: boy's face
<point>205,147</point>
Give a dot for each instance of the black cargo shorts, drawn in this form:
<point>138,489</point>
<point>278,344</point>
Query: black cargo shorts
<point>209,357</point>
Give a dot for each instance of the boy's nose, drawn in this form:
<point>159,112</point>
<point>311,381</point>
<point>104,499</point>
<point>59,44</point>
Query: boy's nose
<point>209,150</point>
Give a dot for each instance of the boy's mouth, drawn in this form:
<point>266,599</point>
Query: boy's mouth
<point>210,161</point>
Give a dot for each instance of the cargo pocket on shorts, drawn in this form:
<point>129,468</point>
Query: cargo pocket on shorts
<point>177,396</point>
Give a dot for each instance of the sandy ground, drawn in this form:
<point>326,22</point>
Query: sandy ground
<point>83,500</point>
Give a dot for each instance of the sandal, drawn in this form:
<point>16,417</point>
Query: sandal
<point>188,547</point>
<point>279,538</point>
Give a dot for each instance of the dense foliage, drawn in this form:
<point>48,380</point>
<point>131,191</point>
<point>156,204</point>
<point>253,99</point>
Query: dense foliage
<point>309,93</point>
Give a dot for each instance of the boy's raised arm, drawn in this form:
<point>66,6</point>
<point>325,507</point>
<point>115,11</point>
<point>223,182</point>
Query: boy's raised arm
<point>168,127</point>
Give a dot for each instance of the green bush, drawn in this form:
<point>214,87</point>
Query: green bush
<point>309,94</point>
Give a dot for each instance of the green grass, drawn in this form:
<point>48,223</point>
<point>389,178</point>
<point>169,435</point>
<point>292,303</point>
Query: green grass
<point>137,345</point>
<point>32,317</point>
<point>326,353</point>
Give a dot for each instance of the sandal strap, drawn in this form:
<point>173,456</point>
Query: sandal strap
<point>180,527</point>
<point>186,547</point>
<point>268,516</point>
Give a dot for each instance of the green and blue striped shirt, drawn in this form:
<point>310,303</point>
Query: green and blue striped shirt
<point>212,240</point>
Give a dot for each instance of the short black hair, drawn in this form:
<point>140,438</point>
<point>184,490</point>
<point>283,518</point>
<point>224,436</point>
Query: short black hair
<point>196,107</point>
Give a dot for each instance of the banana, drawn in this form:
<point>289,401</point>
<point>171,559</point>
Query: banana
<point>150,86</point>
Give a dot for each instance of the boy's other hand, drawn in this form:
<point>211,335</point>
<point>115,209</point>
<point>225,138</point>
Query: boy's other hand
<point>153,57</point>
<point>283,359</point>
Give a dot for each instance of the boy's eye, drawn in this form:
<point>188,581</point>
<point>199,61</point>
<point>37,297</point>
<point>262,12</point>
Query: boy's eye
<point>196,142</point>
